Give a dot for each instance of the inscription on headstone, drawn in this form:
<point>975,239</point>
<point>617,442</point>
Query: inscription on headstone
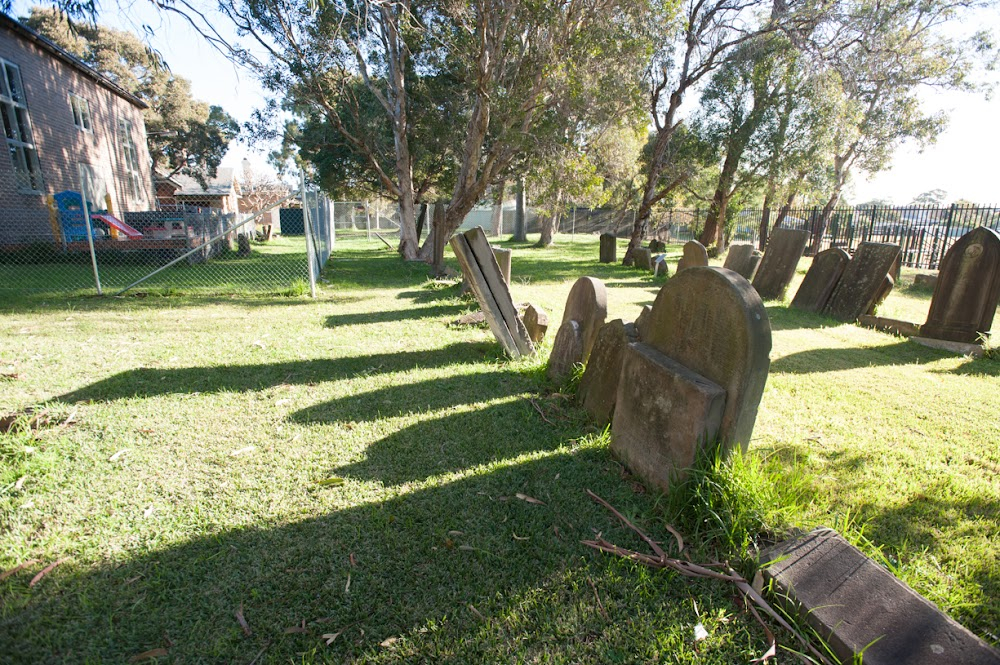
<point>967,290</point>
<point>781,258</point>
<point>863,281</point>
<point>821,279</point>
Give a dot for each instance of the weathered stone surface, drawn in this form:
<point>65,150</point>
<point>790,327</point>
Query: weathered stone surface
<point>656,246</point>
<point>470,319</point>
<point>968,289</point>
<point>660,266</point>
<point>925,281</point>
<point>753,263</point>
<point>859,606</point>
<point>567,350</point>
<point>891,326</point>
<point>536,322</point>
<point>864,279</point>
<point>961,348</point>
<point>485,297</point>
<point>664,414</point>
<point>738,258</point>
<point>609,248</point>
<point>642,259</point>
<point>713,322</point>
<point>483,253</point>
<point>503,260</point>
<point>587,303</point>
<point>599,385</point>
<point>695,255</point>
<point>781,258</point>
<point>883,292</point>
<point>642,321</point>
<point>821,279</point>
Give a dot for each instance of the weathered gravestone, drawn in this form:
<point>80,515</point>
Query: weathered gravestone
<point>609,248</point>
<point>587,303</point>
<point>536,322</point>
<point>483,273</point>
<point>642,259</point>
<point>967,290</point>
<point>925,281</point>
<point>599,385</point>
<point>781,258</point>
<point>567,350</point>
<point>821,279</point>
<point>642,321</point>
<point>697,376</point>
<point>738,258</point>
<point>864,281</point>
<point>752,264</point>
<point>660,266</point>
<point>695,255</point>
<point>503,260</point>
<point>656,246</point>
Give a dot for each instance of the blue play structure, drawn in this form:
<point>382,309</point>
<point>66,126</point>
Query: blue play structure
<point>70,207</point>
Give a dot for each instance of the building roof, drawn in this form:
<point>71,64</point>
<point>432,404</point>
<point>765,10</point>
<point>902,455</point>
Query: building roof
<point>222,185</point>
<point>65,56</point>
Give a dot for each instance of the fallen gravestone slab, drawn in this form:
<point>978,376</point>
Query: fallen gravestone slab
<point>567,351</point>
<point>599,385</point>
<point>821,279</point>
<point>859,607</point>
<point>925,281</point>
<point>609,248</point>
<point>664,415</point>
<point>587,304</point>
<point>961,348</point>
<point>695,255</point>
<point>642,259</point>
<point>863,282</point>
<point>536,322</point>
<point>712,321</point>
<point>777,267</point>
<point>891,326</point>
<point>738,258</point>
<point>968,289</point>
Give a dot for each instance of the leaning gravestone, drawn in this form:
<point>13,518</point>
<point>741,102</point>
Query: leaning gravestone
<point>609,248</point>
<point>863,281</point>
<point>752,263</point>
<point>587,304</point>
<point>821,279</point>
<point>695,254</point>
<point>642,259</point>
<point>781,258</point>
<point>697,376</point>
<point>967,290</point>
<point>567,351</point>
<point>599,385</point>
<point>503,260</point>
<point>738,258</point>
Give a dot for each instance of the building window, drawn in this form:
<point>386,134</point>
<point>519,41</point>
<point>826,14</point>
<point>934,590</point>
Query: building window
<point>130,158</point>
<point>17,129</point>
<point>81,113</point>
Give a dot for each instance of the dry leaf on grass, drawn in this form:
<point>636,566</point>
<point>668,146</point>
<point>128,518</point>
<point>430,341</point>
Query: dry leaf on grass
<point>115,457</point>
<point>148,655</point>
<point>243,622</point>
<point>241,451</point>
<point>529,499</point>
<point>297,629</point>
<point>45,571</point>
<point>354,562</point>
<point>21,566</point>
<point>20,483</point>
<point>331,637</point>
<point>389,641</point>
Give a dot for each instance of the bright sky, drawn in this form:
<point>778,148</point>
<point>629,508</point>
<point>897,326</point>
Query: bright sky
<point>962,161</point>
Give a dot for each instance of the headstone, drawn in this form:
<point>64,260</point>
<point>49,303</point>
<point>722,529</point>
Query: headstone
<point>883,292</point>
<point>925,281</point>
<point>642,259</point>
<point>821,280</point>
<point>642,321</point>
<point>609,248</point>
<point>656,246</point>
<point>567,351</point>
<point>713,322</point>
<point>864,279</point>
<point>503,260</point>
<point>695,254</point>
<point>587,304</point>
<point>752,264</point>
<point>777,268</point>
<point>858,607</point>
<point>738,258</point>
<point>968,289</point>
<point>599,385</point>
<point>660,266</point>
<point>536,322</point>
<point>484,276</point>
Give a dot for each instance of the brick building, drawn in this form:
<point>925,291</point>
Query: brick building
<point>59,113</point>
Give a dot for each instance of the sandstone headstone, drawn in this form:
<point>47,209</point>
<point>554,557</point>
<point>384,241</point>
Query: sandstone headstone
<point>609,248</point>
<point>821,280</point>
<point>777,268</point>
<point>642,321</point>
<point>536,322</point>
<point>864,279</point>
<point>695,254</point>
<point>925,281</point>
<point>657,246</point>
<point>968,289</point>
<point>587,304</point>
<point>660,266</point>
<point>883,292</point>
<point>642,259</point>
<point>752,264</point>
<point>567,350</point>
<point>738,258</point>
<point>664,414</point>
<point>503,260</point>
<point>599,385</point>
<point>713,322</point>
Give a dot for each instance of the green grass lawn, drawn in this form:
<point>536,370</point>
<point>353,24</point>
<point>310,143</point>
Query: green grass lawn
<point>177,479</point>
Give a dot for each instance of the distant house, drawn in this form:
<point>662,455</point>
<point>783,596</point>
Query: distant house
<point>58,113</point>
<point>221,192</point>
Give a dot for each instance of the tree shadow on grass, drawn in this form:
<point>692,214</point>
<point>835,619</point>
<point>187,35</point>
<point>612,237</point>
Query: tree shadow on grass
<point>152,382</point>
<point>975,367</point>
<point>838,359</point>
<point>410,314</point>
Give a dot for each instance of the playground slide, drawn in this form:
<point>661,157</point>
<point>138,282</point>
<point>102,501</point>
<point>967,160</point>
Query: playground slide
<point>116,223</point>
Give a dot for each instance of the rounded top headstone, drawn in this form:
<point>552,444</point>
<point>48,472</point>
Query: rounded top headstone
<point>588,305</point>
<point>695,255</point>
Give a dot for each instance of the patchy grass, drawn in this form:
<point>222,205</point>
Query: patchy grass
<point>184,486</point>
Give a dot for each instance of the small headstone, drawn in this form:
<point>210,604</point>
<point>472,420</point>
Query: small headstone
<point>660,266</point>
<point>642,259</point>
<point>642,321</point>
<point>781,258</point>
<point>503,260</point>
<point>863,281</point>
<point>695,254</point>
<point>738,258</point>
<point>657,246</point>
<point>664,414</point>
<point>821,280</point>
<point>713,322</point>
<point>567,351</point>
<point>882,294</point>
<point>925,281</point>
<point>587,304</point>
<point>968,289</point>
<point>609,248</point>
<point>599,385</point>
<point>752,264</point>
<point>536,322</point>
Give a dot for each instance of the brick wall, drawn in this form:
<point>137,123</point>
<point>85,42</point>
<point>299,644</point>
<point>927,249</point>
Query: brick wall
<point>61,146</point>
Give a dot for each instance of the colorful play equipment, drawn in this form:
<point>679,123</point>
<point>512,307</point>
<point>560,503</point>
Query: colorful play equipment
<point>67,210</point>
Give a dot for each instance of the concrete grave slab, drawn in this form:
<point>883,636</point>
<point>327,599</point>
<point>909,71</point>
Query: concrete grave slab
<point>567,351</point>
<point>695,255</point>
<point>599,385</point>
<point>967,290</point>
<point>961,348</point>
<point>609,248</point>
<point>859,606</point>
<point>863,281</point>
<point>821,279</point>
<point>587,303</point>
<point>777,267</point>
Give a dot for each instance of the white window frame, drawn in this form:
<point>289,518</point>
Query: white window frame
<point>82,117</point>
<point>130,160</point>
<point>16,124</point>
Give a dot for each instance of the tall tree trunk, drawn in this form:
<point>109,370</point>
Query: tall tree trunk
<point>496,219</point>
<point>520,223</point>
<point>550,223</point>
<point>420,220</point>
<point>765,215</point>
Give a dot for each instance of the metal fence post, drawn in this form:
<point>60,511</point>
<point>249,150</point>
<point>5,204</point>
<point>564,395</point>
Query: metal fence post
<point>572,237</point>
<point>368,220</point>
<point>90,229</point>
<point>310,253</point>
